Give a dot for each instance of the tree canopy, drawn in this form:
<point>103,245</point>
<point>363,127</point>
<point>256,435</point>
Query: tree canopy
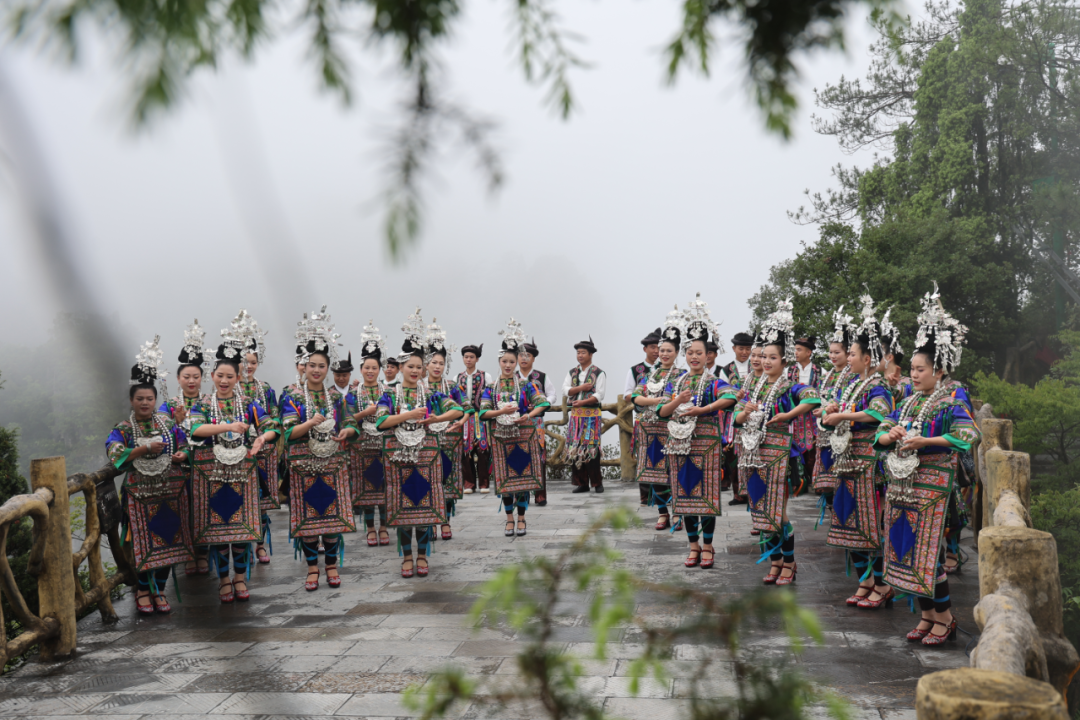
<point>981,166</point>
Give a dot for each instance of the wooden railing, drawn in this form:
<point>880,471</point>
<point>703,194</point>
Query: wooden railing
<point>61,598</point>
<point>622,416</point>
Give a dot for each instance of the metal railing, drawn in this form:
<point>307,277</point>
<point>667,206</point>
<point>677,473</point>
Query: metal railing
<point>61,597</point>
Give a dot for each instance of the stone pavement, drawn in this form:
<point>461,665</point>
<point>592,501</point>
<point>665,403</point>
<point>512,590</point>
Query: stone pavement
<point>349,652</point>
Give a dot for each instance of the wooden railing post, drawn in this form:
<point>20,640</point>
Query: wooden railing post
<point>56,581</point>
<point>626,439</point>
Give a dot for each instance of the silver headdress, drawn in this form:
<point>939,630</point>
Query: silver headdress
<point>321,336</point>
<point>868,333</point>
<point>779,328</point>
<point>940,334</point>
<point>233,340</point>
<point>699,324</point>
<point>414,336</point>
<point>513,338</point>
<point>674,328</point>
<point>148,366</point>
<point>843,328</point>
<point>253,335</point>
<point>435,342</point>
<point>371,343</point>
<point>890,335</point>
<point>194,352</point>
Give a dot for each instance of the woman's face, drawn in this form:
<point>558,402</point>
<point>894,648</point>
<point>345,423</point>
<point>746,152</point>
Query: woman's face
<point>143,402</point>
<point>923,376</point>
<point>370,370</point>
<point>508,364</point>
<point>695,356</point>
<point>755,358</point>
<point>837,355</point>
<point>224,379</point>
<point>668,353</point>
<point>857,358</point>
<point>413,369</point>
<point>436,367</point>
<point>772,361</point>
<point>190,379</point>
<point>316,369</point>
<point>251,364</point>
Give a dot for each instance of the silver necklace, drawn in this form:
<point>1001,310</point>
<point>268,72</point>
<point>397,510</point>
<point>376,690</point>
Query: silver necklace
<point>372,434</point>
<point>153,467</point>
<point>438,427</point>
<point>901,464</point>
<point>825,432</point>
<point>504,424</point>
<point>840,440</point>
<point>410,434</point>
<point>321,437</point>
<point>681,427</point>
<point>753,432</point>
<point>654,386</point>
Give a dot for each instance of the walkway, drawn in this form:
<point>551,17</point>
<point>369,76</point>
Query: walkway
<point>349,652</point>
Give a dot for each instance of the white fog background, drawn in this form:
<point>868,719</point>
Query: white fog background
<point>648,194</point>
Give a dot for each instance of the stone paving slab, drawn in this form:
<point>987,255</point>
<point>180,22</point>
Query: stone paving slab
<point>350,651</point>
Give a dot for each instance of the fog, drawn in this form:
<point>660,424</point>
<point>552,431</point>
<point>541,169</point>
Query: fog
<point>260,192</point>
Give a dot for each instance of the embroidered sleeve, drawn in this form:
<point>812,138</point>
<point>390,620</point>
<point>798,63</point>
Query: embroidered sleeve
<point>960,428</point>
<point>535,398</point>
<point>804,394</point>
<point>890,421</point>
<point>879,403</point>
<point>271,401</point>
<point>385,408</point>
<point>263,421</point>
<point>198,416</point>
<point>444,404</point>
<point>118,446</point>
<point>487,401</point>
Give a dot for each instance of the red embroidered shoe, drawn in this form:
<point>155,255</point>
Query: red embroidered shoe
<point>859,595</point>
<point>917,635</point>
<point>421,570</point>
<point>693,559</point>
<point>333,580</point>
<point>950,634</point>
<point>781,580</point>
<point>770,579</point>
<point>310,585</point>
<point>707,563</point>
<point>384,536</point>
<point>241,595</point>
<point>887,600</point>
<point>148,608</point>
<point>407,573</point>
<point>228,597</point>
<point>161,605</point>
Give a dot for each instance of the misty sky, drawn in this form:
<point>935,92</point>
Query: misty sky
<point>647,195</point>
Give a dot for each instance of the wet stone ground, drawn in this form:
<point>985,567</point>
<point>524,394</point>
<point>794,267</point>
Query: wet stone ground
<point>349,652</point>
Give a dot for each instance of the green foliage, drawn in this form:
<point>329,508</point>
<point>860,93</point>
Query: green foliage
<point>162,44</point>
<point>529,596</point>
<point>1046,417</point>
<point>1058,513</point>
<point>982,165</point>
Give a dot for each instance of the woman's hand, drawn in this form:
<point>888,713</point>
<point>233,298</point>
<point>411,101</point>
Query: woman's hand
<point>915,443</point>
<point>155,447</point>
<point>779,418</point>
<point>456,426</point>
<point>695,412</point>
<point>896,433</point>
<point>509,410</point>
<point>751,407</point>
<point>683,397</point>
<point>414,415</point>
<point>832,408</point>
<point>316,419</point>
<point>816,413</point>
<point>179,414</point>
<point>256,446</point>
<point>179,457</point>
<point>344,435</point>
<point>833,419</point>
<point>524,420</point>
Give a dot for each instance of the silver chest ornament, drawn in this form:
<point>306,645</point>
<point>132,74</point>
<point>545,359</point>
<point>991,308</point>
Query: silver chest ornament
<point>321,439</point>
<point>152,467</point>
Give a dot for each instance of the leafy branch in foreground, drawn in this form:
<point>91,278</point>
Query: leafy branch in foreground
<point>530,596</point>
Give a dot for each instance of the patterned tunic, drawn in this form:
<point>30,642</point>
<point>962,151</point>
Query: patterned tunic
<point>262,393</point>
<point>502,390</point>
<point>471,391</point>
<point>294,411</point>
<point>252,413</point>
<point>121,440</point>
<point>437,404</point>
<point>583,432</point>
<point>804,429</point>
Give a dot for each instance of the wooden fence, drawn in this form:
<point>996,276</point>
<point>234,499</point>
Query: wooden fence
<point>61,597</point>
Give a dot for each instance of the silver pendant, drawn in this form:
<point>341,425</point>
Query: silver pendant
<point>151,466</point>
<point>321,439</point>
<point>411,436</point>
<point>229,449</point>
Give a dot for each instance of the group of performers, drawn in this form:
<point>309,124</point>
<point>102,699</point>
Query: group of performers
<point>402,442</point>
<point>887,453</point>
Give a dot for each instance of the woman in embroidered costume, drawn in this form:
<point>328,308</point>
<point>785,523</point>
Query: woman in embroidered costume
<point>262,393</point>
<point>369,478</point>
<point>839,375</point>
<point>317,420</point>
<point>149,447</point>
<point>450,436</point>
<point>411,456</point>
<point>234,430</point>
<point>764,418</point>
<point>512,407</point>
<point>189,376</point>
<point>854,415</point>
<point>926,435</point>
<point>694,447</point>
<point>650,430</point>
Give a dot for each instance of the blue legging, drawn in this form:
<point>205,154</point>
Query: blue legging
<point>423,539</point>
<point>708,527</point>
<point>369,516</point>
<point>239,558</point>
<point>520,499</point>
<point>862,559</point>
<point>661,496</point>
<point>153,581</point>
<point>331,544</point>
